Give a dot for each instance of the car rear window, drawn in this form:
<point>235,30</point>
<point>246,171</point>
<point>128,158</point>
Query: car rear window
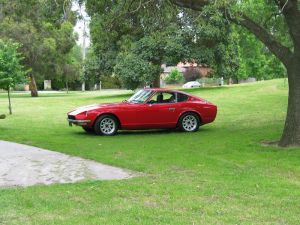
<point>182,97</point>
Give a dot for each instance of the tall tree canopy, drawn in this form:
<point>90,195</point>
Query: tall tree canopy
<point>45,30</point>
<point>127,29</point>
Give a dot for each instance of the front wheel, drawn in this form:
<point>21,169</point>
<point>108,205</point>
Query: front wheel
<point>106,125</point>
<point>189,122</point>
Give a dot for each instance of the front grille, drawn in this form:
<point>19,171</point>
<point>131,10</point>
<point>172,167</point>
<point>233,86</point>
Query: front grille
<point>71,117</point>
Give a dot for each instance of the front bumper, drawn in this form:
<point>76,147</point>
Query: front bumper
<point>78,122</point>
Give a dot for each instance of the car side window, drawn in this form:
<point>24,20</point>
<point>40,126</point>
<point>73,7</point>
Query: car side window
<point>162,98</point>
<point>182,97</point>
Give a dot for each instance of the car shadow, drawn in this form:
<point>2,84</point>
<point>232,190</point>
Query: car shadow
<point>140,132</point>
<point>157,131</point>
<point>151,131</point>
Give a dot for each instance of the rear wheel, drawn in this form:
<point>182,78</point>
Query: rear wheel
<point>189,122</point>
<point>106,125</point>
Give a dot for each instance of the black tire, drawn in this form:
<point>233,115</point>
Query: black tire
<point>106,125</point>
<point>189,122</point>
<point>88,130</point>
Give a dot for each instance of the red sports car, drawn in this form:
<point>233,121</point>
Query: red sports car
<point>152,108</point>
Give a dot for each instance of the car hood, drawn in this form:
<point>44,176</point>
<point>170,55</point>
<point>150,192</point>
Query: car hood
<point>94,106</point>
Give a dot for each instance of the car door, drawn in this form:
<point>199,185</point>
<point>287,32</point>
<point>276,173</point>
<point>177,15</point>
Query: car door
<point>162,110</point>
<point>133,112</point>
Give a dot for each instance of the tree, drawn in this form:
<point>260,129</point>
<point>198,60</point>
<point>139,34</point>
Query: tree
<point>117,30</point>
<point>93,68</point>
<point>11,70</point>
<point>255,60</point>
<point>172,35</point>
<point>134,71</point>
<point>71,67</point>
<point>174,77</point>
<point>45,30</point>
<point>256,17</point>
<point>150,52</point>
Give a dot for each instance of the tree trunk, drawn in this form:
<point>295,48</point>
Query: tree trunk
<point>32,86</point>
<point>9,102</point>
<point>67,87</point>
<point>156,82</point>
<point>291,132</point>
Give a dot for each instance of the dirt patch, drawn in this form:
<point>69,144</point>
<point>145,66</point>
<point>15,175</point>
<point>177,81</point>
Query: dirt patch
<point>275,144</point>
<point>23,165</point>
<point>270,143</point>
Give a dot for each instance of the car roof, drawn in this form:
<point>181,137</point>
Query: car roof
<point>158,89</point>
<point>166,90</point>
<point>192,82</point>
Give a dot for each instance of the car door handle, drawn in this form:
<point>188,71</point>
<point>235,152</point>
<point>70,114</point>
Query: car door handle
<point>171,109</point>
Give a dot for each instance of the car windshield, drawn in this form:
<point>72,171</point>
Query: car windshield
<point>141,96</point>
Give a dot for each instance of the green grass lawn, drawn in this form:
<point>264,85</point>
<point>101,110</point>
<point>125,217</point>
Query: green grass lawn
<point>219,175</point>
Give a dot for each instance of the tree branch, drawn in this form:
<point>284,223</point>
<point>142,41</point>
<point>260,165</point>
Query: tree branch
<point>291,13</point>
<point>282,52</point>
<point>192,4</point>
<point>140,6</point>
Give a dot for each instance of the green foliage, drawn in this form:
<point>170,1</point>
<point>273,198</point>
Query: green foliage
<point>45,31</point>
<point>151,48</point>
<point>109,82</point>
<point>144,59</point>
<point>182,35</point>
<point>266,14</point>
<point>207,37</point>
<point>116,33</point>
<point>212,42</point>
<point>11,70</point>
<point>72,66</point>
<point>255,59</point>
<point>174,77</point>
<point>92,68</point>
<point>135,72</point>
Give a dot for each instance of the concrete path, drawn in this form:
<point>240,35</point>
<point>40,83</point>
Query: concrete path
<point>22,165</point>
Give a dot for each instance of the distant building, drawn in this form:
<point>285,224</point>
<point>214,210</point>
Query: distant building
<point>191,71</point>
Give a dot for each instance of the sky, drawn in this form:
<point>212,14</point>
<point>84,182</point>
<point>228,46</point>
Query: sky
<point>79,27</point>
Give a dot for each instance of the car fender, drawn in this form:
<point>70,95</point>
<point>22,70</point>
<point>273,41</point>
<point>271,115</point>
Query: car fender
<point>190,110</point>
<point>101,113</point>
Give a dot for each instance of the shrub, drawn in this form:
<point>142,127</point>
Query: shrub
<point>174,77</point>
<point>110,82</point>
